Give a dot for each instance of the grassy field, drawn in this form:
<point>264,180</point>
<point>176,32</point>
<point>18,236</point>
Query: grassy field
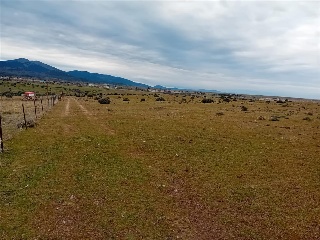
<point>177,169</point>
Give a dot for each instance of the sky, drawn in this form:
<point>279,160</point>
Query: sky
<point>254,47</point>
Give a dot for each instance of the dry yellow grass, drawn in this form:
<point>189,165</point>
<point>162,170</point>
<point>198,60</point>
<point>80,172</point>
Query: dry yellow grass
<point>12,113</point>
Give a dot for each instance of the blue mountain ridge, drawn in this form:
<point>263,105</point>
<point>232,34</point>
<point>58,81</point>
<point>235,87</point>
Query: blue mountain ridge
<point>23,67</point>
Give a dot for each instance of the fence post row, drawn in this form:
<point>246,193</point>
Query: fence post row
<point>24,117</point>
<point>1,138</point>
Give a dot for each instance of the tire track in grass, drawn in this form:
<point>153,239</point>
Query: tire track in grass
<point>93,118</point>
<point>67,109</point>
<point>46,200</point>
<point>68,213</point>
<point>87,113</point>
<point>73,214</point>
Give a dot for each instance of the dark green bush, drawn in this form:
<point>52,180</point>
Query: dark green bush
<point>160,99</point>
<point>104,101</point>
<point>244,108</point>
<point>207,100</point>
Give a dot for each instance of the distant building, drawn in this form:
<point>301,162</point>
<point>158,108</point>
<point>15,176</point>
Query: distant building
<point>29,95</point>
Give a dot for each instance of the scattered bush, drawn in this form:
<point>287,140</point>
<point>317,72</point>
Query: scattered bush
<point>30,124</point>
<point>307,119</point>
<point>219,113</point>
<point>142,100</point>
<point>274,118</point>
<point>183,100</point>
<point>207,100</point>
<point>244,108</point>
<point>7,94</point>
<point>104,101</point>
<point>160,99</point>
<point>261,118</point>
<point>126,99</point>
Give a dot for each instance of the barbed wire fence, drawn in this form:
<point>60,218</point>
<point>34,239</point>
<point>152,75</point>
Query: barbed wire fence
<point>17,114</point>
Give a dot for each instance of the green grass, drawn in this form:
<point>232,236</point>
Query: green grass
<point>162,170</point>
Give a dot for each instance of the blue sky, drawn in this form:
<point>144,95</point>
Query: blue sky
<point>262,47</point>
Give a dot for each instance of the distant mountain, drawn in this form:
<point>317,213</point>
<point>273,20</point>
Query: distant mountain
<point>160,87</point>
<point>24,68</point>
<point>104,78</point>
<point>183,89</point>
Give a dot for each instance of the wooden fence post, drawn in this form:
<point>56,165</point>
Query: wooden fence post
<point>24,116</point>
<point>1,138</point>
<point>35,108</point>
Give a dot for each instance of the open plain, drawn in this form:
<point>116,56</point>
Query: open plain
<point>173,169</point>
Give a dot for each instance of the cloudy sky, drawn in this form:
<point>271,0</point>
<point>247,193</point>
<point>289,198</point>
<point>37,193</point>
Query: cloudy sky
<point>262,47</point>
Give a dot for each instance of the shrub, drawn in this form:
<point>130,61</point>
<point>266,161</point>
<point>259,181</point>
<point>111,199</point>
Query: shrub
<point>207,100</point>
<point>183,100</point>
<point>8,94</point>
<point>160,99</point>
<point>126,99</point>
<point>104,101</point>
<point>30,124</point>
<point>274,118</point>
<point>244,108</point>
<point>142,100</point>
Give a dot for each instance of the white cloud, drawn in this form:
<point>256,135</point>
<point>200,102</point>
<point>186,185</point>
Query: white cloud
<point>226,45</point>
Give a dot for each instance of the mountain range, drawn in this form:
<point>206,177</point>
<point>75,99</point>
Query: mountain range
<point>22,67</point>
